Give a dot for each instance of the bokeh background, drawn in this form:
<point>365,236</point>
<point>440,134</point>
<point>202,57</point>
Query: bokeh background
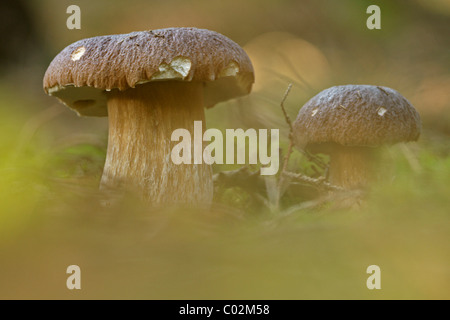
<point>51,162</point>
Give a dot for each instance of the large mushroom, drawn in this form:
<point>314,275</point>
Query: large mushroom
<point>348,122</point>
<point>150,83</point>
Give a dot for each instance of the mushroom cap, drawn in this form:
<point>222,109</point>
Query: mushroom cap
<point>82,73</point>
<point>356,115</point>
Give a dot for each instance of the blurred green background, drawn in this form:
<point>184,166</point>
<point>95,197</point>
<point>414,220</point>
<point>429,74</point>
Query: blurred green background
<point>51,162</point>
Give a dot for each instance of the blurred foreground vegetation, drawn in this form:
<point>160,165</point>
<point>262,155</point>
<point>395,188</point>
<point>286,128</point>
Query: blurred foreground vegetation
<point>52,217</point>
<point>51,212</point>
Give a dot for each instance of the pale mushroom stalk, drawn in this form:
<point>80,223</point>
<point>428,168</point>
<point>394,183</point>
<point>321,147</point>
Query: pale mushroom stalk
<point>351,167</point>
<point>141,122</point>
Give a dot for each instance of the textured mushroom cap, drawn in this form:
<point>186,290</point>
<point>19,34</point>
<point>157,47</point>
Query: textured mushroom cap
<point>356,115</point>
<point>82,74</point>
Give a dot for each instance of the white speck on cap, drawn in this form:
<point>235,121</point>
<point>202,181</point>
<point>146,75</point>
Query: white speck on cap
<point>381,111</point>
<point>78,53</point>
<point>178,68</point>
<point>231,70</point>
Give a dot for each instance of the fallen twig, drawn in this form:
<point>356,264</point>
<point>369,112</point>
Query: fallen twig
<point>320,183</point>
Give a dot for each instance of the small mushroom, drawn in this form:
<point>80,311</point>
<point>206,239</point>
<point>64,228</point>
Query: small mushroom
<point>348,122</point>
<point>150,83</point>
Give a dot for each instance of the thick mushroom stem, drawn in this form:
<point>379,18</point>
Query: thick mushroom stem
<point>351,167</point>
<point>141,122</point>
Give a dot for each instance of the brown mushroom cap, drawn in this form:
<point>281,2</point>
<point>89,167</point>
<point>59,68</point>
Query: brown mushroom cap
<point>82,73</point>
<point>356,115</point>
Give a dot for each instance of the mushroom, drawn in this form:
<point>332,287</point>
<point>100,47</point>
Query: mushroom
<point>348,122</point>
<point>150,83</point>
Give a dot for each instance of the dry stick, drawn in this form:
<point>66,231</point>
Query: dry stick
<point>286,116</point>
<point>310,157</point>
<point>289,151</point>
<point>291,130</point>
<point>291,144</point>
<point>320,182</point>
